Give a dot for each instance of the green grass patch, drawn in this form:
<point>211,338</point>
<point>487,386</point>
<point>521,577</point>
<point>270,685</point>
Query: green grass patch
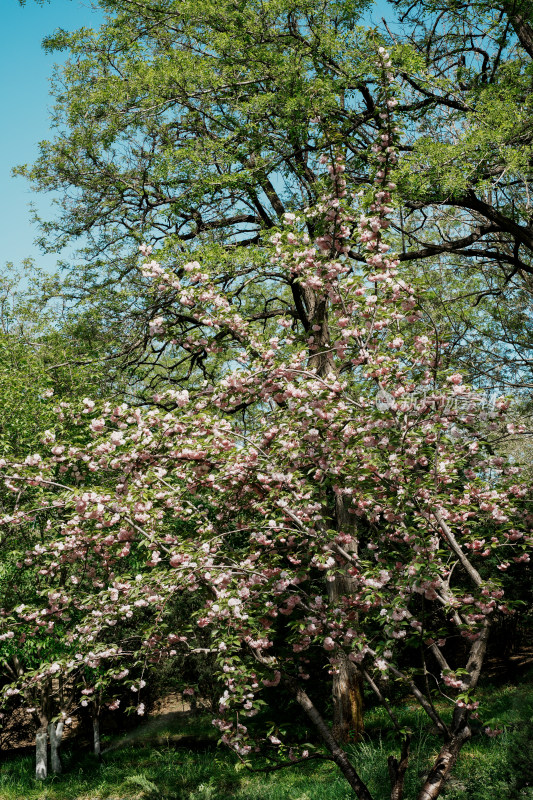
<point>180,760</point>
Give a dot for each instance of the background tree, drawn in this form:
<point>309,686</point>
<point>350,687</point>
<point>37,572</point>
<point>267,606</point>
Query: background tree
<point>40,344</point>
<point>204,125</point>
<point>201,126</point>
<point>466,182</point>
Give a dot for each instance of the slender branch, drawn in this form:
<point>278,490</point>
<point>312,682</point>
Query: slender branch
<point>375,688</point>
<point>432,714</point>
<point>454,544</point>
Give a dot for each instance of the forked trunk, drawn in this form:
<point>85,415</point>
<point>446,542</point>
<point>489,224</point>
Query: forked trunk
<point>441,770</point>
<point>461,733</point>
<point>397,770</point>
<point>41,752</point>
<point>55,732</point>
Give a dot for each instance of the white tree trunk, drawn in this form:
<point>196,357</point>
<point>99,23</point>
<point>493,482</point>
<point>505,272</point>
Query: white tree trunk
<point>41,753</point>
<point>55,731</point>
<point>96,736</point>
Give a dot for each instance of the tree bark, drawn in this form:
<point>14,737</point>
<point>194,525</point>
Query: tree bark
<point>348,725</point>
<point>397,770</point>
<point>55,732</point>
<point>441,770</point>
<point>461,732</point>
<point>42,717</point>
<point>520,17</point>
<point>41,752</point>
<point>347,691</point>
<point>96,737</point>
<point>337,753</point>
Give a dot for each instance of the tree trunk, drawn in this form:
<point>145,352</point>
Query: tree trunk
<point>55,731</point>
<point>520,23</point>
<point>41,752</point>
<point>96,736</point>
<point>337,753</point>
<point>440,772</point>
<point>461,732</point>
<point>397,770</point>
<point>193,703</point>
<point>347,691</point>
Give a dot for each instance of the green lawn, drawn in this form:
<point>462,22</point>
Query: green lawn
<point>181,761</point>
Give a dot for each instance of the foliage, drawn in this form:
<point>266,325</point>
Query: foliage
<point>466,180</point>
<point>201,125</point>
<point>45,353</point>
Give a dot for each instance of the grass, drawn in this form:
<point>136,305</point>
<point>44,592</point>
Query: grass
<point>180,760</point>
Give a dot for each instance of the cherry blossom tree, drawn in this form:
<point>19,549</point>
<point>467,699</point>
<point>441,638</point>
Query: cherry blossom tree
<point>339,494</point>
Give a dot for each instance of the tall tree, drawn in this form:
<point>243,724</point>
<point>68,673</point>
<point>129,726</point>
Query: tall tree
<point>191,124</point>
<point>357,413</point>
<point>200,127</point>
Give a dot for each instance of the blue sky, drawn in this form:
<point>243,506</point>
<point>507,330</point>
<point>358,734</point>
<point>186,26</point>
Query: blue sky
<point>25,104</point>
